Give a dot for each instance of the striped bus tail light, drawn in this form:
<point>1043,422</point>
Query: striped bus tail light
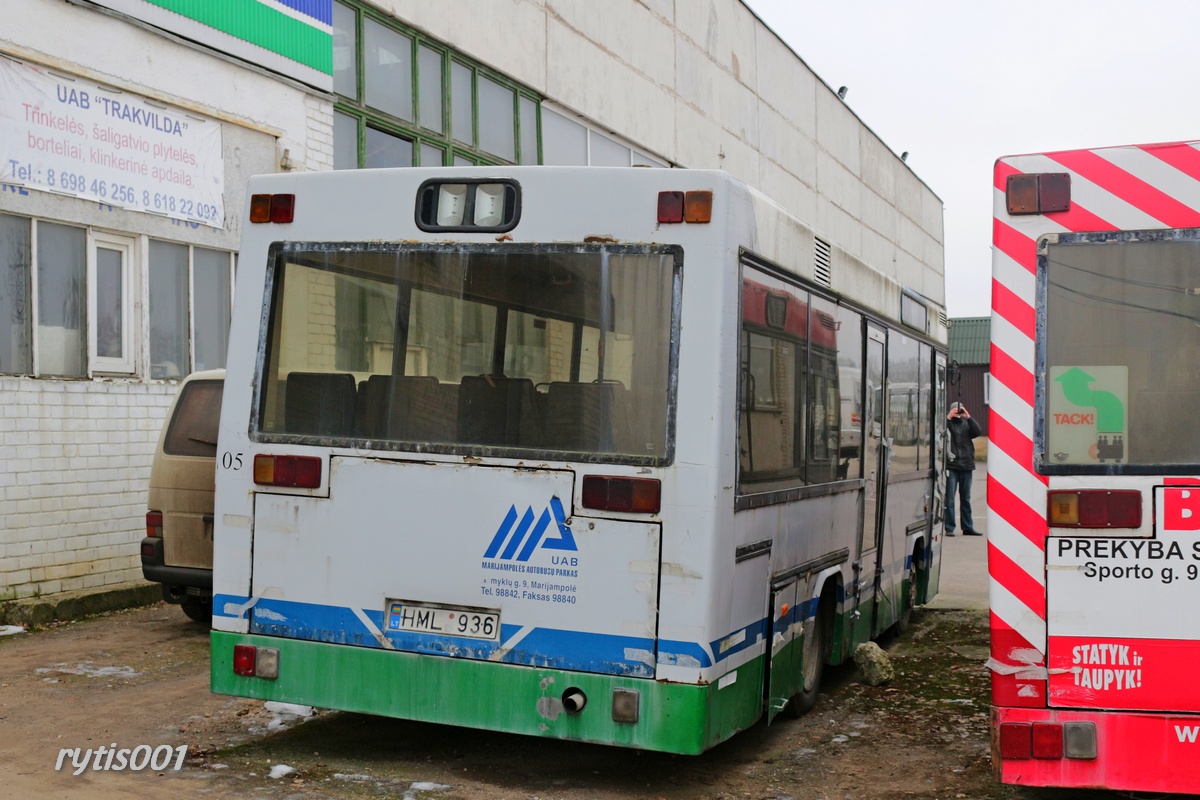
<point>636,495</point>
<point>1094,508</point>
<point>289,472</point>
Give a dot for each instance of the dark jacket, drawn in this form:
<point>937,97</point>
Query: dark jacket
<point>962,431</point>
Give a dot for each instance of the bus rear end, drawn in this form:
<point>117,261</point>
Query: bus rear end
<point>1094,469</point>
<point>446,445</point>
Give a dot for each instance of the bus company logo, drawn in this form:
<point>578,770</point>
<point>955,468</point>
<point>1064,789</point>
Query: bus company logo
<point>517,540</point>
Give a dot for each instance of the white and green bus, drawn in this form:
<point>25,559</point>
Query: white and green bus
<point>561,452</point>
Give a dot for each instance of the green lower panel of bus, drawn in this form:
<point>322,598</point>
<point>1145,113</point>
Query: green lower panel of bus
<point>670,717</point>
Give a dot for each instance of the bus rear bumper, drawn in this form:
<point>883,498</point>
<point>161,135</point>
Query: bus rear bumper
<point>1135,752</point>
<point>618,710</point>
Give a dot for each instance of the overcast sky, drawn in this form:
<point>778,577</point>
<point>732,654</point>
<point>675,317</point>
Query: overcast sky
<point>959,83</point>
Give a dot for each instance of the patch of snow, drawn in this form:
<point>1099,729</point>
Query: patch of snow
<point>281,771</point>
<point>89,669</point>
<point>288,708</point>
<point>423,786</point>
<point>9,630</point>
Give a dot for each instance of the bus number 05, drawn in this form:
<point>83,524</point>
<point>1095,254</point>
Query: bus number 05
<point>231,460</point>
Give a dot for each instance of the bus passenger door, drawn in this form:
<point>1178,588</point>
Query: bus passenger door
<point>875,461</point>
<point>940,434</point>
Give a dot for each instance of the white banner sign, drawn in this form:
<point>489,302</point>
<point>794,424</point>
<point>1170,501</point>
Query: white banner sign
<point>71,137</point>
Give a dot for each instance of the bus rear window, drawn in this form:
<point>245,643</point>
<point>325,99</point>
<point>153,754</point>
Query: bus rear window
<point>465,348</point>
<point>1121,351</point>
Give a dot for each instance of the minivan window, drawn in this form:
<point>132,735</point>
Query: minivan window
<point>193,429</point>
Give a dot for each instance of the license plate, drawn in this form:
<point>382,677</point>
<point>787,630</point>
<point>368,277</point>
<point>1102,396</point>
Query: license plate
<point>472,623</point>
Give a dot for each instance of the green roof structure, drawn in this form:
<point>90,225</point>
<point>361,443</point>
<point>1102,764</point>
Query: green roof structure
<point>970,339</point>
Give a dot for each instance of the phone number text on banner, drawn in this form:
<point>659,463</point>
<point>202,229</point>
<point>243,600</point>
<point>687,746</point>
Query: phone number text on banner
<point>71,137</point>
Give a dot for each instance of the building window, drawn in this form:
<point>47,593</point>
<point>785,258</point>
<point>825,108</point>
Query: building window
<point>62,300</point>
<point>406,100</point>
<point>190,294</point>
<point>110,303</point>
<point>569,140</point>
<point>16,299</point>
<point>69,308</point>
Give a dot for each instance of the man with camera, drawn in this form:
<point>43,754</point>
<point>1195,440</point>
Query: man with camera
<point>960,467</point>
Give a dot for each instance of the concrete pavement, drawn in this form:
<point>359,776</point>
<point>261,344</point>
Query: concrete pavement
<point>964,581</point>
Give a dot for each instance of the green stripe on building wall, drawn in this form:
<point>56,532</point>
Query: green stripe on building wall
<point>260,25</point>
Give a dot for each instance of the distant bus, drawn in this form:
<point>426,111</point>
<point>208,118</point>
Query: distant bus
<point>563,452</point>
<point>1094,469</point>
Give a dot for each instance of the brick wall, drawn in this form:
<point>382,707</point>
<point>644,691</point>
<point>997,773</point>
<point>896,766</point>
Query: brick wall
<point>76,465</point>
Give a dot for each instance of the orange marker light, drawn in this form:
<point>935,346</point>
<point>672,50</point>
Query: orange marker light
<point>260,208</point>
<point>697,207</point>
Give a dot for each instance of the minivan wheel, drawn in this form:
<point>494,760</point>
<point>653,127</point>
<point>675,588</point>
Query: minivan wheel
<point>198,608</point>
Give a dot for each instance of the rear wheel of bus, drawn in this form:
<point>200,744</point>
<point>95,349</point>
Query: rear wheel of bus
<point>912,588</point>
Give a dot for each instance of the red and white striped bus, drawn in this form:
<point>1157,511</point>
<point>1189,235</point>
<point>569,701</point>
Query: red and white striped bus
<point>1094,469</point>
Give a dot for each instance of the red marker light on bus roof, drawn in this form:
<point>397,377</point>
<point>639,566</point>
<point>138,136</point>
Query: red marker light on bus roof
<point>1037,193</point>
<point>272,207</point>
<point>670,206</point>
<point>695,206</point>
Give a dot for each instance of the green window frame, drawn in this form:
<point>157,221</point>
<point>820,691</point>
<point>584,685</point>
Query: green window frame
<point>394,127</point>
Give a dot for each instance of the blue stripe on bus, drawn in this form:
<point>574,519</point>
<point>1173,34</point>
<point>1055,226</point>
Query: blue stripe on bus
<point>591,652</point>
<point>542,647</point>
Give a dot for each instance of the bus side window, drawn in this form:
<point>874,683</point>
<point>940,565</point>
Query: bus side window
<point>320,403</point>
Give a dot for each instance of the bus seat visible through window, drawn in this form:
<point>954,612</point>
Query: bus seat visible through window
<point>496,410</point>
<point>409,407</point>
<point>587,416</point>
<point>320,403</point>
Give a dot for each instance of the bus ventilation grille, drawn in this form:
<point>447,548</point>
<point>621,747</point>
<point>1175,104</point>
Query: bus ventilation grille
<point>821,263</point>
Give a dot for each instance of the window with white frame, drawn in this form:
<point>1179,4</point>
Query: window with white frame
<point>68,302</point>
<point>110,306</point>
<point>569,140</point>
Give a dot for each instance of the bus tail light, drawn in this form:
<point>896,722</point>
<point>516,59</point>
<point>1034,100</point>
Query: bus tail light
<point>605,493</point>
<point>256,662</point>
<point>243,659</point>
<point>1094,508</point>
<point>272,207</point>
<point>292,472</point>
<point>1016,740</point>
<point>1048,740</point>
<point>154,523</point>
